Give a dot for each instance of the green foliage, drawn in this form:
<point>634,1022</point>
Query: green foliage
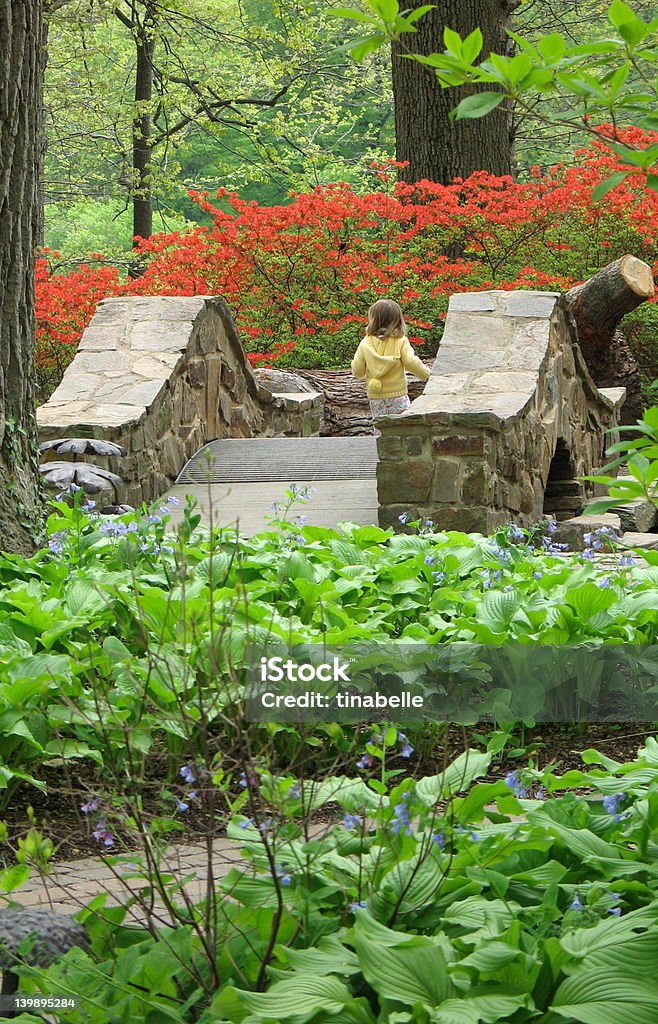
<point>639,454</point>
<point>612,79</point>
<point>118,629</point>
<point>332,121</point>
<point>487,904</point>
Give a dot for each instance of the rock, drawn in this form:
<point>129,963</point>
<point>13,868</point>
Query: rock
<point>648,541</point>
<point>572,531</point>
<point>639,516</point>
<point>282,381</point>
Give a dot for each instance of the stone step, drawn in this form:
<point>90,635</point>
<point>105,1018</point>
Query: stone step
<point>648,541</point>
<point>572,531</point>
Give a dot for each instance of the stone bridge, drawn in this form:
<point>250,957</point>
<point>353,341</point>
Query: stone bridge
<point>508,421</point>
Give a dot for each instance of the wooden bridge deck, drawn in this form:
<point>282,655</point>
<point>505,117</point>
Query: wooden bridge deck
<point>238,480</point>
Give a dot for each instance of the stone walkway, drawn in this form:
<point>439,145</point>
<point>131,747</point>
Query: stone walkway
<point>70,885</point>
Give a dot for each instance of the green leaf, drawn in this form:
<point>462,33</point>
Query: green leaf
<point>552,47</point>
<point>589,600</point>
<point>419,12</point>
<point>472,46</point>
<point>14,878</point>
<point>603,997</point>
<point>607,186</point>
<point>352,14</point>
<point>415,972</point>
<point>363,46</point>
<point>472,1008</point>
<point>458,776</point>
<point>619,13</point>
<point>478,105</point>
<point>452,41</point>
<point>298,996</point>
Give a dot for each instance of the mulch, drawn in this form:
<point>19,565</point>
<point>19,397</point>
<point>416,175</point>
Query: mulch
<point>58,815</point>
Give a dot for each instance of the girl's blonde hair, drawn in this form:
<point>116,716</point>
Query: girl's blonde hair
<point>385,320</point>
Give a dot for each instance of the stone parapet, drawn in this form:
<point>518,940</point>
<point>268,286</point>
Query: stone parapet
<point>509,420</point>
<point>162,376</point>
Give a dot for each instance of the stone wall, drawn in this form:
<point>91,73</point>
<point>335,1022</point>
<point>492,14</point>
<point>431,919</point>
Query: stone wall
<point>507,422</point>
<point>163,376</point>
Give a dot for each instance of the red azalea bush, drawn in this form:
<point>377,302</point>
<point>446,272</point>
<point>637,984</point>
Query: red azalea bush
<point>299,278</point>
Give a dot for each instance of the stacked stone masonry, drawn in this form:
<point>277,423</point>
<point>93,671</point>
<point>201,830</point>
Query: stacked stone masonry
<point>163,376</point>
<point>510,404</point>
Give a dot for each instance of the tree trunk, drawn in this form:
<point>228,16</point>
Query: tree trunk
<point>22,54</point>
<point>142,149</point>
<point>436,147</point>
<point>598,306</point>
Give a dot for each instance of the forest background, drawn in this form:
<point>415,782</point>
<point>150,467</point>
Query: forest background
<point>271,178</point>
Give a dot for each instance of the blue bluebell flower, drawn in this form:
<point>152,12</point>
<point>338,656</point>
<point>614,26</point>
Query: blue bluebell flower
<point>514,783</point>
<point>439,840</point>
<point>351,822</point>
<point>576,903</point>
<point>401,821</point>
<point>56,543</point>
<point>407,749</point>
<point>357,906</point>
<point>611,803</point>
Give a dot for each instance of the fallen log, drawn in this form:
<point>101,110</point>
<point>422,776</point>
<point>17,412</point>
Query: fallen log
<point>598,306</point>
<point>346,406</point>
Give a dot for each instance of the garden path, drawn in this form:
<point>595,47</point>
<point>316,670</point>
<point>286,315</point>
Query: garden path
<point>70,885</point>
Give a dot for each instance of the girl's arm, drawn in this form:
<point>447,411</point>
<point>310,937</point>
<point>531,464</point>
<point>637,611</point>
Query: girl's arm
<point>359,363</point>
<point>412,363</point>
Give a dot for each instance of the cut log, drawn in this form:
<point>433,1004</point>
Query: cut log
<point>598,306</point>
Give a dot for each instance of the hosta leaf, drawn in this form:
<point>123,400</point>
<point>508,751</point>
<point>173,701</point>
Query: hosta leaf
<point>479,1009</point>
<point>297,997</point>
<point>607,997</point>
<point>409,974</point>
<point>456,777</point>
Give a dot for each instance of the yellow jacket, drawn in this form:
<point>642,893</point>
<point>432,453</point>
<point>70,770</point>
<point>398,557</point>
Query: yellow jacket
<point>382,362</point>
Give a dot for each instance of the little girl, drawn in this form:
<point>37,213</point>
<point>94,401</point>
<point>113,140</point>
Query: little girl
<point>383,356</point>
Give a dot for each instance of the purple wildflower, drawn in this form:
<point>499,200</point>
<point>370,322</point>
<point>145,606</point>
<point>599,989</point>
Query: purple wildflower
<point>407,749</point>
<point>351,821</point>
<point>514,783</point>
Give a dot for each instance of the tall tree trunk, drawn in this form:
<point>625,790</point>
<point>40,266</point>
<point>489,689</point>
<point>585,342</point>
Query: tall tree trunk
<point>435,146</point>
<point>142,149</point>
<point>22,53</point>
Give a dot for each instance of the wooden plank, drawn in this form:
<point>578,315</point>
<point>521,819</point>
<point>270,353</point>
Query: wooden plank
<point>290,459</point>
<point>250,504</point>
